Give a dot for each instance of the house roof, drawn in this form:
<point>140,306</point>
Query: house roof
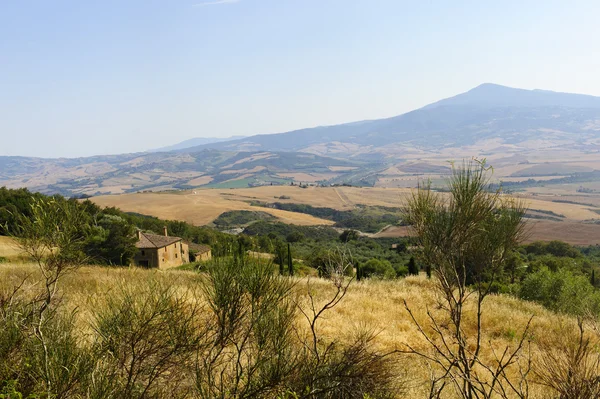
<point>155,241</point>
<point>198,248</point>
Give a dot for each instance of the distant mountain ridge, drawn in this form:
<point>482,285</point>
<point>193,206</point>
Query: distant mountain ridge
<point>197,141</point>
<point>509,126</point>
<point>493,95</point>
<point>485,112</point>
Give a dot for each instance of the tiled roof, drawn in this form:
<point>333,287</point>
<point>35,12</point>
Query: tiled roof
<point>198,248</point>
<point>155,241</point>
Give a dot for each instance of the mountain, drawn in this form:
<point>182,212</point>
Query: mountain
<point>491,95</point>
<point>195,142</point>
<point>486,112</point>
<point>523,133</point>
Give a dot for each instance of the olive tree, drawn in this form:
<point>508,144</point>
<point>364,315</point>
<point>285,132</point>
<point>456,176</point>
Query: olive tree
<point>467,236</point>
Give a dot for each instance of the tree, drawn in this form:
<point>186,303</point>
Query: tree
<point>290,261</point>
<point>466,236</point>
<point>280,255</point>
<point>412,267</point>
<point>377,268</point>
<point>295,236</point>
<point>112,240</point>
<point>349,235</point>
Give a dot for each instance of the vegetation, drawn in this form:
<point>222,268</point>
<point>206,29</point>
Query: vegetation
<point>240,218</point>
<point>237,328</point>
<point>236,332</point>
<point>367,219</point>
<point>467,239</point>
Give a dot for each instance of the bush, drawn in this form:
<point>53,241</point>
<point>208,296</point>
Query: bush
<point>377,268</point>
<point>561,291</point>
<point>349,235</point>
<point>147,341</point>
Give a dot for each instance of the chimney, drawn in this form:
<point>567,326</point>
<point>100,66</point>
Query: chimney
<point>166,235</point>
<point>139,235</point>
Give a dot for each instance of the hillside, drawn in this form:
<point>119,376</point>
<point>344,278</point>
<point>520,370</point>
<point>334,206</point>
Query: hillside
<point>486,112</point>
<point>572,219</point>
<point>532,138</point>
<point>372,305</point>
<point>161,171</point>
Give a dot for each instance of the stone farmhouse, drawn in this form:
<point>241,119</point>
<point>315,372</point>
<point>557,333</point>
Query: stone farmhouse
<point>160,251</point>
<point>199,252</point>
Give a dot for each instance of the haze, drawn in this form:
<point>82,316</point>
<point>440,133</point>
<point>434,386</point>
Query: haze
<point>83,78</point>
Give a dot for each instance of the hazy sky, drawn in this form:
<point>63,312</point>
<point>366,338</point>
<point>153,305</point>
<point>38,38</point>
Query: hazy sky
<point>83,77</point>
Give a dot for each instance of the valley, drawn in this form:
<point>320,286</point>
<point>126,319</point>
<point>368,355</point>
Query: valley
<point>571,218</point>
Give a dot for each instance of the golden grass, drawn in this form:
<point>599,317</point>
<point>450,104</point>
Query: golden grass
<point>9,249</point>
<point>207,204</point>
<point>375,305</point>
<point>200,208</point>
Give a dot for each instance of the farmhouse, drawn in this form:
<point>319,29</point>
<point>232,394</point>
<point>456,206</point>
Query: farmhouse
<point>160,251</point>
<point>199,252</point>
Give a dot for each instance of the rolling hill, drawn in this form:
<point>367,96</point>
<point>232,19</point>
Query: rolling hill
<point>522,133</point>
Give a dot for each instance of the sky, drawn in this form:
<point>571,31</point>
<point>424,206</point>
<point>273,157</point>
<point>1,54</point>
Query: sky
<point>81,78</point>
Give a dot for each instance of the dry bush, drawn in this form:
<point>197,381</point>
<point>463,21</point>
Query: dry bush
<point>467,238</point>
<point>146,340</point>
<point>250,351</point>
<point>329,369</point>
<point>570,365</point>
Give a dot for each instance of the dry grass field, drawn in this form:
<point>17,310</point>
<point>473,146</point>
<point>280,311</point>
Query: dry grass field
<point>206,205</point>
<point>538,230</point>
<point>9,250</point>
<point>375,305</point>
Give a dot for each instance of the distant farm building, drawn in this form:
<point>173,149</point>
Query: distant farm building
<point>160,251</point>
<point>199,252</point>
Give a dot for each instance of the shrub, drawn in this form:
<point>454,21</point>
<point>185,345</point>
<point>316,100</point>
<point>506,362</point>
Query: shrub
<point>147,338</point>
<point>377,268</point>
<point>349,235</point>
<point>251,321</point>
<point>561,291</point>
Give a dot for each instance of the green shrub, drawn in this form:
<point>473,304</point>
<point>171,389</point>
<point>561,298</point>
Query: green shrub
<point>561,291</point>
<point>377,268</point>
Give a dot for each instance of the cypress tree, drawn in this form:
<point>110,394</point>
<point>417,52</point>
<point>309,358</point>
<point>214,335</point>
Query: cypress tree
<point>290,262</point>
<point>412,267</point>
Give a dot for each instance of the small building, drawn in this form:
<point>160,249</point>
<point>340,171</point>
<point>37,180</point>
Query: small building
<point>199,252</point>
<point>160,251</point>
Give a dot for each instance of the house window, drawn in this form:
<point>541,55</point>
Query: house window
<point>143,253</point>
<point>175,255</point>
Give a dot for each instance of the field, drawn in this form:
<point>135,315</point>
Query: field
<point>201,207</point>
<point>375,305</point>
<point>9,250</point>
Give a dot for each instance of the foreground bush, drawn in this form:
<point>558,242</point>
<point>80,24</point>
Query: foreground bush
<point>241,332</point>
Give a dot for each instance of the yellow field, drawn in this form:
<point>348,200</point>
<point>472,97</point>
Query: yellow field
<point>206,205</point>
<point>200,208</point>
<point>373,304</point>
<point>9,250</point>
